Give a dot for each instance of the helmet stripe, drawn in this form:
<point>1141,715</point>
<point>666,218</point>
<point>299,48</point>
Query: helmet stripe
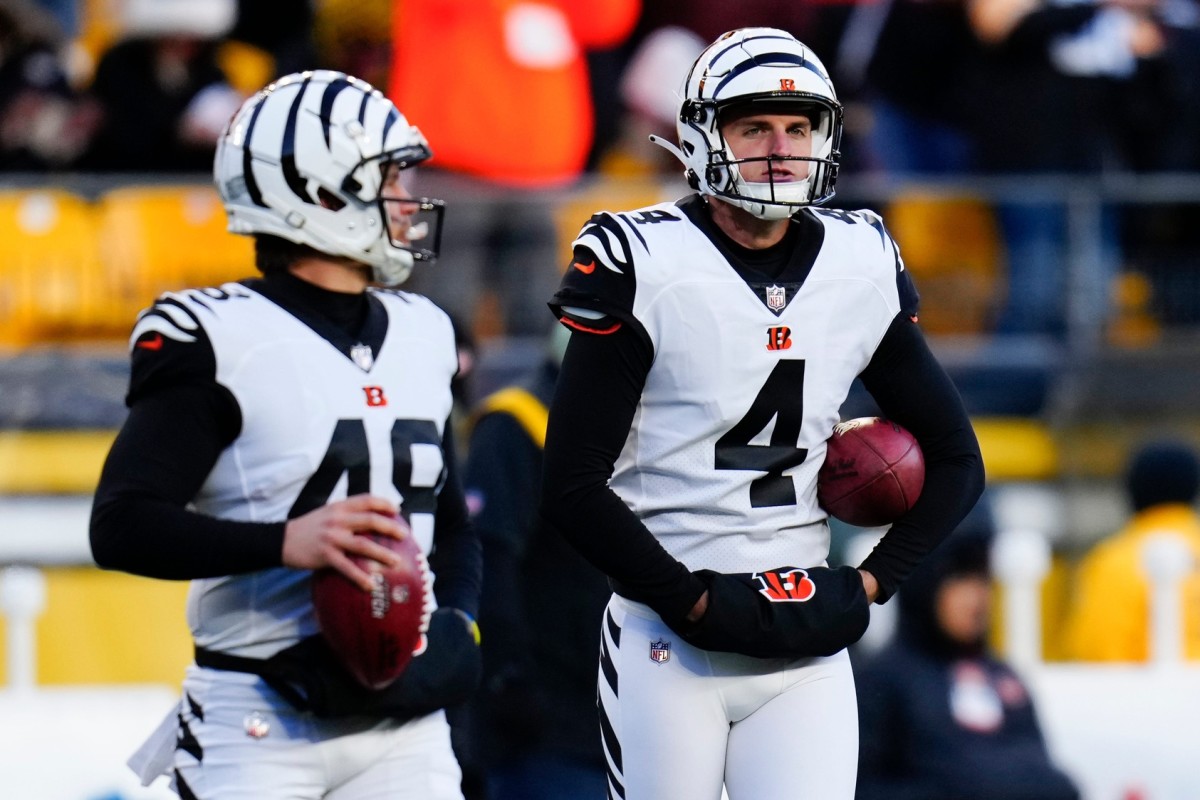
<point>391,119</point>
<point>252,188</point>
<point>765,59</point>
<point>287,162</point>
<point>738,43</point>
<point>330,94</point>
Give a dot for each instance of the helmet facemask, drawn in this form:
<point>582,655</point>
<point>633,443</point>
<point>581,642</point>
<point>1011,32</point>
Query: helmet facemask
<point>773,199</point>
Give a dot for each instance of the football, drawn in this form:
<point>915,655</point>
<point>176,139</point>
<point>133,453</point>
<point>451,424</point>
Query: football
<point>374,633</point>
<point>873,472</point>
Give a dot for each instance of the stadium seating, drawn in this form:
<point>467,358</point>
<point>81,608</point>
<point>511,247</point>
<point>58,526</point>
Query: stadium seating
<point>52,282</point>
<point>163,238</point>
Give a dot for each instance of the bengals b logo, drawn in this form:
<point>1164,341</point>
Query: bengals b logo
<point>786,585</point>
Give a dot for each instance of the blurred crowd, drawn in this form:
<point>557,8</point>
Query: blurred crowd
<point>1019,89</point>
<point>931,86</point>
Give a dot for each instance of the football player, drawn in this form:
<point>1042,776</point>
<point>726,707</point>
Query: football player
<point>269,421</point>
<point>713,343</point>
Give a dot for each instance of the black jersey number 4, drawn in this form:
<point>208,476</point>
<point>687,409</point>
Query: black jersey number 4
<point>781,397</point>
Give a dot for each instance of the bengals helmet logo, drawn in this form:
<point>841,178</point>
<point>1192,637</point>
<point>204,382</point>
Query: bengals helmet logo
<point>786,585</point>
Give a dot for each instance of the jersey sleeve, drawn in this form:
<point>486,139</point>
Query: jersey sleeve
<point>906,290</point>
<point>597,290</point>
<point>168,347</point>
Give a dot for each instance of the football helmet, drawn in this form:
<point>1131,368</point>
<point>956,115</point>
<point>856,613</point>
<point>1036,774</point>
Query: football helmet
<point>748,67</point>
<point>307,159</point>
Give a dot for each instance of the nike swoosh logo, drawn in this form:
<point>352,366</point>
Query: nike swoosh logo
<point>586,269</point>
<point>155,342</point>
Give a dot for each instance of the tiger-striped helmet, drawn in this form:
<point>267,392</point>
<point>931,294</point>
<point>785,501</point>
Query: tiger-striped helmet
<point>771,69</point>
<point>305,160</point>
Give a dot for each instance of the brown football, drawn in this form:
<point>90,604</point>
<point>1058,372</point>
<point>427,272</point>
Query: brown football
<point>874,471</point>
<point>374,633</point>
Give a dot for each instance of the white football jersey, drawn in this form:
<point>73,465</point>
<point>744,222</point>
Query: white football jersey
<point>747,378</point>
<point>317,425</point>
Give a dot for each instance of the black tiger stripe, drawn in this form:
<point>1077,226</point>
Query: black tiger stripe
<point>614,630</point>
<point>764,60</point>
<point>287,149</point>
<point>607,666</point>
<point>157,310</point>
<point>636,232</point>
<point>196,709</point>
<point>607,223</point>
<point>182,789</point>
<point>328,97</point>
<point>612,746</point>
<point>187,741</point>
<point>362,107</point>
<point>393,116</point>
<point>252,188</point>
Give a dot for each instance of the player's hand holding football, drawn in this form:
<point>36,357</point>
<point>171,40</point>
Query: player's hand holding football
<point>325,537</point>
<point>781,613</point>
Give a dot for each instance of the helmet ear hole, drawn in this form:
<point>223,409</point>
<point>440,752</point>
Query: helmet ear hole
<point>329,199</point>
<point>692,179</point>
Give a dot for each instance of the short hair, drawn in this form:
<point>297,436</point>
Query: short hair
<point>1163,472</point>
<point>276,254</point>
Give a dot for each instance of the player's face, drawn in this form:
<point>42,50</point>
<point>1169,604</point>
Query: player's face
<point>398,206</point>
<point>964,607</point>
<point>759,135</point>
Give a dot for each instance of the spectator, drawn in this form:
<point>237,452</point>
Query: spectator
<point>533,732</point>
<point>284,30</point>
<point>1110,612</point>
<point>1078,56</point>
<point>503,88</point>
<point>941,716</point>
<point>651,104</point>
<point>907,61</point>
<point>165,98</point>
<point>43,124</point>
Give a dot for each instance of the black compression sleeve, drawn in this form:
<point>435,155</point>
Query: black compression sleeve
<point>912,389</point>
<point>160,459</point>
<point>594,403</point>
<point>457,558</point>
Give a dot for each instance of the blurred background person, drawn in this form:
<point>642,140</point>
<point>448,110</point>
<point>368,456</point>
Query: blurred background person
<point>505,90</point>
<point>651,102</point>
<point>941,716</point>
<point>1109,618</point>
<point>44,124</point>
<point>165,97</point>
<point>1047,98</point>
<point>905,66</point>
<point>532,732</point>
<point>286,30</point>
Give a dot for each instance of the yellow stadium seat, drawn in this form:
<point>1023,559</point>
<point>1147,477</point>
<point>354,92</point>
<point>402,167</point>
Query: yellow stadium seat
<point>52,282</point>
<point>952,247</point>
<point>157,239</point>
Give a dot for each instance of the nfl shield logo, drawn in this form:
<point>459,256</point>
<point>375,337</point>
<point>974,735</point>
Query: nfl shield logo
<point>776,298</point>
<point>660,651</point>
<point>361,355</point>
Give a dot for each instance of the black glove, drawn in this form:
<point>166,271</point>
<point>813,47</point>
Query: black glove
<point>780,613</point>
<point>309,675</point>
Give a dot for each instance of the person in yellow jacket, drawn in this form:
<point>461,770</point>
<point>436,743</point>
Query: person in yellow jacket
<point>1110,615</point>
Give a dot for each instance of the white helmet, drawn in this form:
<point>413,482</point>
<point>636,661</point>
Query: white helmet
<point>304,159</point>
<point>749,66</point>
